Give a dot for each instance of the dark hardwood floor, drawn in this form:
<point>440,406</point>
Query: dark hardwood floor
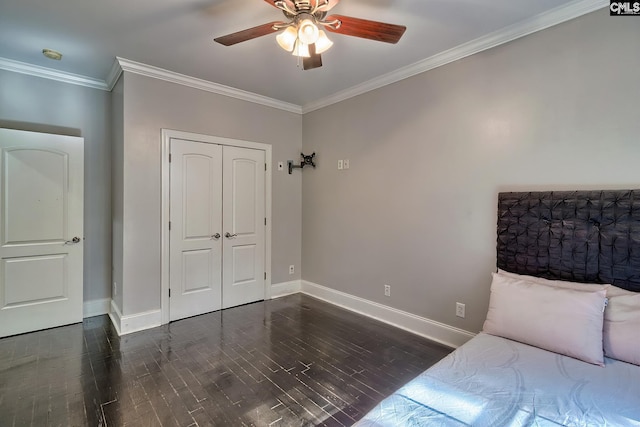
<point>292,361</point>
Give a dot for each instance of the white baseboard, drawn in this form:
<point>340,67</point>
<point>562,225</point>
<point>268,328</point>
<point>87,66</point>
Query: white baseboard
<point>285,288</point>
<point>116,316</point>
<point>436,331</point>
<point>96,307</point>
<point>140,321</point>
<point>134,322</point>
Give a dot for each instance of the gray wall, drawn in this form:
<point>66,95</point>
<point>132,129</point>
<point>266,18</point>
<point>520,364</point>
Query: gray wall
<point>41,105</point>
<point>417,208</point>
<point>149,106</point>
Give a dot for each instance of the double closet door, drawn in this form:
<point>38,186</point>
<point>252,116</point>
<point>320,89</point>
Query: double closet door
<point>217,235</point>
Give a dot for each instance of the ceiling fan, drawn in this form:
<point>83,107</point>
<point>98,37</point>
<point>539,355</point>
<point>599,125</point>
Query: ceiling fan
<point>303,33</point>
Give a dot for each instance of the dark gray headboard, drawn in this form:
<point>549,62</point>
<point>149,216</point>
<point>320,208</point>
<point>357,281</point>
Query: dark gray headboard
<point>581,236</point>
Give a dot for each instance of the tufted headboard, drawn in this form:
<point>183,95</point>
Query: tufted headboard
<point>581,236</point>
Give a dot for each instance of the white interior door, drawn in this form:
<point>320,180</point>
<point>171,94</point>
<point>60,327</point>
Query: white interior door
<point>41,230</point>
<point>196,224</point>
<point>244,226</point>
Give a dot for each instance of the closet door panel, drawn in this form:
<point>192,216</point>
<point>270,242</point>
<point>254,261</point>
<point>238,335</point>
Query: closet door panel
<point>244,226</point>
<point>196,220</point>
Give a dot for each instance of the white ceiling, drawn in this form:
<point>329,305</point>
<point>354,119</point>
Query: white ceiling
<point>177,35</point>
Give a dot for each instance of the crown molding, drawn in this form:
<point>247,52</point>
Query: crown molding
<point>529,26</point>
<point>170,76</point>
<point>114,74</point>
<point>48,73</point>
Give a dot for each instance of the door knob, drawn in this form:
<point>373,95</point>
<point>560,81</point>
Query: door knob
<point>229,235</point>
<point>215,236</point>
<point>72,241</point>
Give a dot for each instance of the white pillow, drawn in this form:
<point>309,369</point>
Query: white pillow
<point>621,317</point>
<point>589,287</point>
<point>621,336</point>
<point>565,321</point>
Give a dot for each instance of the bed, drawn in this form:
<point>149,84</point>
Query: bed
<point>561,343</point>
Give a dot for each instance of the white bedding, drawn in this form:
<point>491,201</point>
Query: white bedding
<point>493,381</point>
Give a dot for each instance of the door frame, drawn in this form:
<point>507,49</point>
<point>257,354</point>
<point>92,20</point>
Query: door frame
<point>167,134</point>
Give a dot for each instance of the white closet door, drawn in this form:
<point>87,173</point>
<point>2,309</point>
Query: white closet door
<point>41,230</point>
<point>196,220</point>
<point>244,226</point>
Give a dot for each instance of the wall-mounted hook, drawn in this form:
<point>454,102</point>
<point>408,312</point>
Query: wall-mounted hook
<point>306,161</point>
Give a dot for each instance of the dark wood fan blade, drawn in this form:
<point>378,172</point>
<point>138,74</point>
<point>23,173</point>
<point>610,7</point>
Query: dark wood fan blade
<point>313,61</point>
<point>248,34</point>
<point>372,30</point>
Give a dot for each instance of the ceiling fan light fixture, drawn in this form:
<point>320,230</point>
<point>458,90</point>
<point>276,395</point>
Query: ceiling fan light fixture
<point>287,39</point>
<point>301,49</point>
<point>308,31</point>
<point>323,43</point>
<point>301,31</point>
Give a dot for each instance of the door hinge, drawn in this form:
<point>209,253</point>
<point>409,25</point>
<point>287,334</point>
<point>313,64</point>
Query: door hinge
<point>265,221</point>
<point>265,275</point>
<point>169,292</point>
<point>169,225</point>
<point>169,157</point>
<point>265,167</point>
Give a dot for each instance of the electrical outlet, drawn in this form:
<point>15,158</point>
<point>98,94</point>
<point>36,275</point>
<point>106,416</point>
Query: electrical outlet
<point>280,166</point>
<point>292,269</point>
<point>387,290</point>
<point>460,309</point>
<point>340,165</point>
<point>345,163</point>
